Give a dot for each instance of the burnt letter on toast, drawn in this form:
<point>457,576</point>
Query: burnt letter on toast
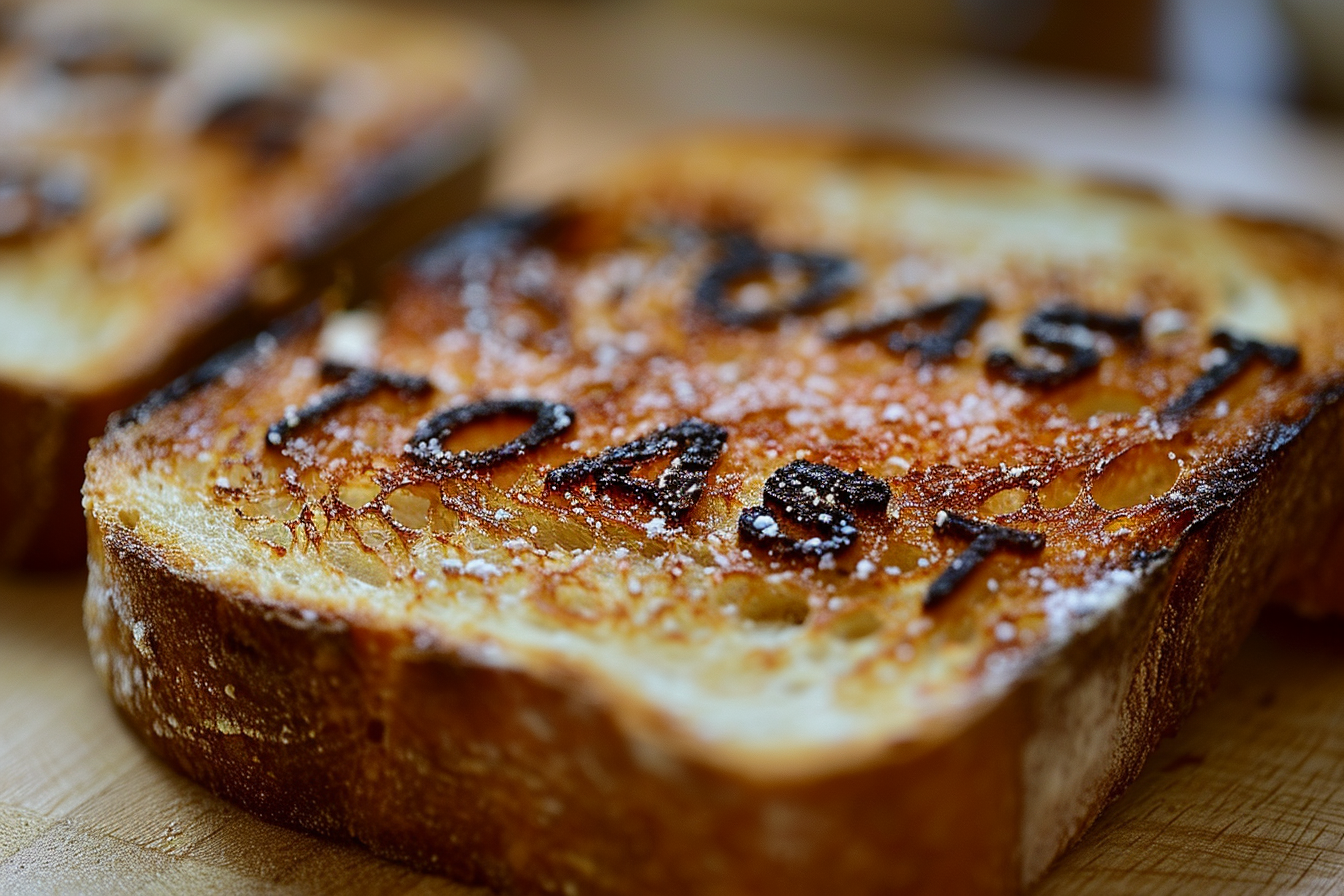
<point>827,277</point>
<point>1071,332</point>
<point>427,449</point>
<point>268,123</point>
<point>674,492</point>
<point>986,538</point>
<point>818,497</point>
<point>932,330</point>
<point>1238,353</point>
<point>355,384</point>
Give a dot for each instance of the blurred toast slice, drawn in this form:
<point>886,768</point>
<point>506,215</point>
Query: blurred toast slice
<point>173,174</point>
<point>784,515</point>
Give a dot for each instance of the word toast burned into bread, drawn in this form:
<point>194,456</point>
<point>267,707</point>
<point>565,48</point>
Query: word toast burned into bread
<point>783,515</point>
<point>175,174</point>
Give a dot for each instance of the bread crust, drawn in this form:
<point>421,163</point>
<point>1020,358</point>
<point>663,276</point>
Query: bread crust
<point>522,780</point>
<point>529,727</point>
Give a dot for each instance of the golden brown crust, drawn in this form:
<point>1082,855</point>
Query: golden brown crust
<point>549,683</point>
<point>496,777</point>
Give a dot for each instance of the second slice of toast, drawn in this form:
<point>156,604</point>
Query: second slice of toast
<point>174,174</point>
<point>785,515</point>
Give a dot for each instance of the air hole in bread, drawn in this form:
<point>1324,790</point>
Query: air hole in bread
<point>376,534</point>
<point>1061,491</point>
<point>1096,400</point>
<point>357,492</point>
<point>410,505</point>
<point>1137,476</point>
<point>762,601</point>
<point>129,518</point>
<point>856,624</point>
<point>1002,503</point>
<point>899,556</point>
<point>775,604</point>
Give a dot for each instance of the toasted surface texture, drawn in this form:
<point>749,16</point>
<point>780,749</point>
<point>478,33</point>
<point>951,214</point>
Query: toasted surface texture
<point>784,514</point>
<point>172,174</point>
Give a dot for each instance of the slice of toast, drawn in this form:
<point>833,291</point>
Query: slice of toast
<point>786,514</point>
<point>172,174</point>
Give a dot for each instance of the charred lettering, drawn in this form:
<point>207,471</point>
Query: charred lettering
<point>471,249</point>
<point>933,331</point>
<point>231,358</point>
<point>1237,354</point>
<point>985,538</point>
<point>741,257</point>
<point>1071,333</point>
<point>426,446</point>
<point>353,384</point>
<point>267,122</point>
<point>696,446</point>
<point>818,497</point>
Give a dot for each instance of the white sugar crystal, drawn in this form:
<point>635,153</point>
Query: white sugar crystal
<point>351,337</point>
<point>482,569</point>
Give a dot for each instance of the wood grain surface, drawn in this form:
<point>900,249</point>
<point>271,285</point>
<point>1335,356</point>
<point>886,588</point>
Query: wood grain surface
<point>1247,799</point>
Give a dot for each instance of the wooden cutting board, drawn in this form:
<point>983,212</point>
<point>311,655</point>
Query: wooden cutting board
<point>1249,798</point>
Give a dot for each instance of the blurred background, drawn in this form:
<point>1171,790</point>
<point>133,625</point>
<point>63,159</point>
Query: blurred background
<point>1229,101</point>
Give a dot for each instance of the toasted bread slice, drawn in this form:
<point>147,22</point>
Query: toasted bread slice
<point>174,173</point>
<point>783,515</point>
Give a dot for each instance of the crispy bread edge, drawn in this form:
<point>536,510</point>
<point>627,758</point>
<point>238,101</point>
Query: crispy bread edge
<point>500,777</point>
<point>525,781</point>
<point>1105,702</point>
